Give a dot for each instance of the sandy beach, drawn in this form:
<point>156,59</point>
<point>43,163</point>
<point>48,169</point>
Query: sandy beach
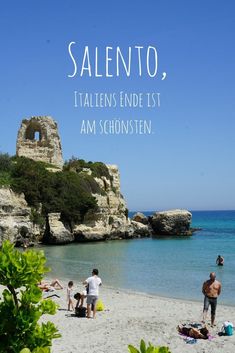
<point>129,316</point>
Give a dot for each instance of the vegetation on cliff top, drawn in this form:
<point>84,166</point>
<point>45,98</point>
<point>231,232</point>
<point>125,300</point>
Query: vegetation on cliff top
<point>68,192</point>
<point>98,169</point>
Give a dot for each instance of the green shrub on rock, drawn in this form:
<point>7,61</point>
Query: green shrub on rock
<point>65,192</point>
<point>5,169</point>
<point>98,169</point>
<point>22,305</point>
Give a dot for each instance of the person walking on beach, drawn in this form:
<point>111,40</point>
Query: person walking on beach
<point>70,295</point>
<point>220,261</point>
<point>211,289</point>
<point>93,282</point>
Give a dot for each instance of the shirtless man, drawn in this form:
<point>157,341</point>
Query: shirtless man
<point>211,289</point>
<point>220,261</point>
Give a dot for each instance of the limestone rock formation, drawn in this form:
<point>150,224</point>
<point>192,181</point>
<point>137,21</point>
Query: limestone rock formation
<point>139,230</point>
<point>173,222</point>
<point>15,224</point>
<point>140,217</point>
<point>111,221</point>
<point>111,211</point>
<point>55,232</point>
<point>38,139</point>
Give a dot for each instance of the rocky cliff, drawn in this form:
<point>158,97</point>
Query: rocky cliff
<point>76,201</point>
<point>172,222</point>
<point>15,222</point>
<point>110,220</point>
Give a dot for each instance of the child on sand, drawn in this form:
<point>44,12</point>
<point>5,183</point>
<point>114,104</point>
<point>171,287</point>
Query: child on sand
<point>70,295</point>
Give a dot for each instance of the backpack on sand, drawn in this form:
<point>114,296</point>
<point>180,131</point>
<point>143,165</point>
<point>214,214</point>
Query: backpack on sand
<point>227,328</point>
<point>80,311</point>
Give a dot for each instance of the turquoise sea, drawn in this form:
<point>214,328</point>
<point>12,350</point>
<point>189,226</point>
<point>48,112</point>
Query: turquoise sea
<point>171,267</point>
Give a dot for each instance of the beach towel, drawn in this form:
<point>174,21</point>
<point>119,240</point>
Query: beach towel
<point>190,340</point>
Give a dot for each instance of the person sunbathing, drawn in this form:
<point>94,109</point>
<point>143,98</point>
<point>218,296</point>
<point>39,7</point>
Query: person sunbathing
<point>45,286</point>
<point>202,333</point>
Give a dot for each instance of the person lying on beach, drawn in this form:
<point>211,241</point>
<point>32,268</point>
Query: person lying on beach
<point>202,333</point>
<point>45,286</point>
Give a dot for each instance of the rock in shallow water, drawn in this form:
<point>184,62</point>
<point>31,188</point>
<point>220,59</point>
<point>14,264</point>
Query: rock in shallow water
<point>140,217</point>
<point>173,222</point>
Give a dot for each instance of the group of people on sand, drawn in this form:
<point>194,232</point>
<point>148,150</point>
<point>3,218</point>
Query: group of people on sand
<point>211,290</point>
<point>91,293</point>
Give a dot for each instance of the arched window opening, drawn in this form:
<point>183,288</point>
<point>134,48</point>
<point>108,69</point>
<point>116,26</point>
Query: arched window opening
<point>34,132</point>
<point>37,136</point>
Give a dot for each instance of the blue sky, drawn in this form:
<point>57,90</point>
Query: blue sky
<point>188,162</point>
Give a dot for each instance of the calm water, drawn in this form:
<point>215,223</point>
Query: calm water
<point>173,267</point>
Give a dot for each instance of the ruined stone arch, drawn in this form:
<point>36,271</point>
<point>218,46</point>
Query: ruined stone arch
<point>38,139</point>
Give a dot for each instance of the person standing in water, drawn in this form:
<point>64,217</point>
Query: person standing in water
<point>220,261</point>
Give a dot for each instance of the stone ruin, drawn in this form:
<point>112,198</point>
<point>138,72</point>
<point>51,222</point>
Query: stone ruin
<point>38,139</point>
